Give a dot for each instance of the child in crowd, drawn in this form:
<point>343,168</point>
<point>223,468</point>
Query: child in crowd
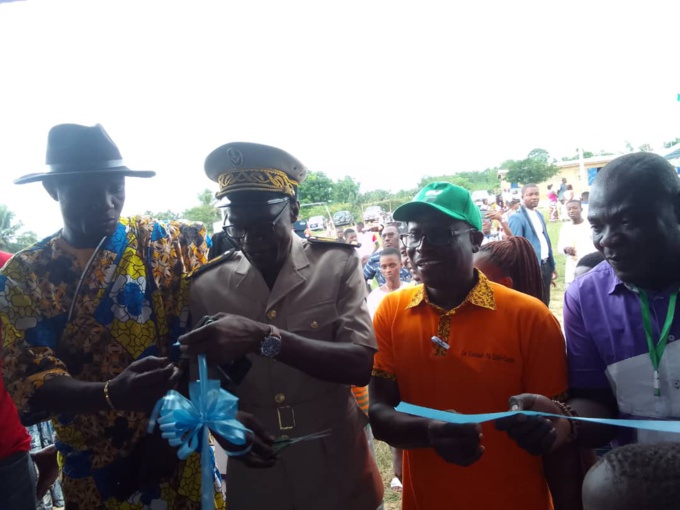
<point>635,477</point>
<point>587,262</point>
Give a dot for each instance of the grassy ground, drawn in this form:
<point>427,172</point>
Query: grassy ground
<point>557,293</point>
<point>384,457</point>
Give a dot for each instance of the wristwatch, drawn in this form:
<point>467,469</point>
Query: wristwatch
<point>270,346</point>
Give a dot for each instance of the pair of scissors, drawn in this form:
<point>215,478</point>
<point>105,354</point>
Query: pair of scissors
<point>282,443</point>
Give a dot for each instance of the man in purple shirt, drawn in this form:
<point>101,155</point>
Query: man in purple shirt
<point>621,327</point>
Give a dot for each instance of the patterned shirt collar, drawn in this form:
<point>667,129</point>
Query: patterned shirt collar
<point>480,295</point>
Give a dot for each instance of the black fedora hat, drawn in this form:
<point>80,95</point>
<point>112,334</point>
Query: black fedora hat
<point>73,149</point>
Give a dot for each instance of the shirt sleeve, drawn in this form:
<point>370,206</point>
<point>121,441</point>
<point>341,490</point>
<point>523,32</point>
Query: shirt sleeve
<point>171,250</point>
<point>383,361</point>
<point>195,244</point>
<point>587,369</point>
<point>354,324</point>
<point>515,225</point>
<point>28,342</point>
<point>369,268</point>
<point>565,239</point>
<point>192,246</point>
<point>545,359</point>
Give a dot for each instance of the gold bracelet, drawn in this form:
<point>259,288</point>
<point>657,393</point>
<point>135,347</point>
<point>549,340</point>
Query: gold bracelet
<point>108,397</point>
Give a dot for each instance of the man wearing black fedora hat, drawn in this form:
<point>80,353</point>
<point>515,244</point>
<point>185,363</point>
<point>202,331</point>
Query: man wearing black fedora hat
<point>88,317</point>
<point>304,329</point>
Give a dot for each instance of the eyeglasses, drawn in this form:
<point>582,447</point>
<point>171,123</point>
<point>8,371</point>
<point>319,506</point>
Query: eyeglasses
<point>261,229</point>
<point>441,237</point>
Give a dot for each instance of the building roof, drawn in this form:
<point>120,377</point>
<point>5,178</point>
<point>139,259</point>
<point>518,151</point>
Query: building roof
<point>674,152</point>
<point>592,161</point>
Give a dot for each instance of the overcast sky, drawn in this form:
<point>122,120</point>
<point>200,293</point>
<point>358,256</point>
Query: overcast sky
<point>383,91</point>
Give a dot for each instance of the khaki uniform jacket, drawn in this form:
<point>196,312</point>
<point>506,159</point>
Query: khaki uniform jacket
<point>319,294</point>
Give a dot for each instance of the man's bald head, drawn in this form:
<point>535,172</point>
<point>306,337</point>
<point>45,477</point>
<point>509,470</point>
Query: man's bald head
<point>634,210</point>
<point>642,173</point>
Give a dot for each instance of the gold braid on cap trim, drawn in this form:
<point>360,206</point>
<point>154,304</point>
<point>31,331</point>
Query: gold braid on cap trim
<point>256,179</point>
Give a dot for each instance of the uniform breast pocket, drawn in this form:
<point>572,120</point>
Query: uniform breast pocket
<point>314,321</point>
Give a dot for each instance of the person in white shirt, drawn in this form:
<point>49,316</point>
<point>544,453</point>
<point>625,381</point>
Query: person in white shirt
<point>368,240</point>
<point>390,267</point>
<point>576,239</point>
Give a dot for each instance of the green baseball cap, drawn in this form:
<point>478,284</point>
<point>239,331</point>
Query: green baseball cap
<point>444,197</point>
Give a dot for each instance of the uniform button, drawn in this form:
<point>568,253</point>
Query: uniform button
<point>314,325</point>
<point>676,384</point>
<point>271,314</point>
<point>279,398</point>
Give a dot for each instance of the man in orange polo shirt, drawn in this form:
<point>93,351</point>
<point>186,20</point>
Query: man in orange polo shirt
<point>460,342</point>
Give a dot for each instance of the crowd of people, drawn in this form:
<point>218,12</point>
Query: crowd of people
<point>321,339</point>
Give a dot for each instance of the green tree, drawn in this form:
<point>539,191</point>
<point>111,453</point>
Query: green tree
<point>23,240</point>
<point>472,181</point>
<point>164,216</point>
<point>11,239</point>
<point>9,228</point>
<point>375,196</point>
<point>484,180</point>
<point>539,155</point>
<point>671,143</point>
<point>586,154</point>
<point>205,212</point>
<point>318,187</point>
<point>453,179</point>
<point>536,167</point>
<point>645,147</point>
<point>346,190</point>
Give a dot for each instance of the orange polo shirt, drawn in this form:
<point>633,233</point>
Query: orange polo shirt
<point>502,343</point>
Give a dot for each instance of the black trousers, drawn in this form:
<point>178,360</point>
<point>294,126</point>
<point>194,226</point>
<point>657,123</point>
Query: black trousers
<point>546,273</point>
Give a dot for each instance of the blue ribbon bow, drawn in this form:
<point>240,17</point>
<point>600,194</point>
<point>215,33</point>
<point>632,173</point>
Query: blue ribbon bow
<point>186,423</point>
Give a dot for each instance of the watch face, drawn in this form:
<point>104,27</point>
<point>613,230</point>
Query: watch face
<point>270,346</point>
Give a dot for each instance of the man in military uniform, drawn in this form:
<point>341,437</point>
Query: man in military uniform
<point>295,308</point>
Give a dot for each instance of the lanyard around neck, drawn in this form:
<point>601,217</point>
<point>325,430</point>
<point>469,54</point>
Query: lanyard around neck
<point>656,351</point>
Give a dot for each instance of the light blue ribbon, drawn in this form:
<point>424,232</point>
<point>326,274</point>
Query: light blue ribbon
<point>187,423</point>
<point>433,414</point>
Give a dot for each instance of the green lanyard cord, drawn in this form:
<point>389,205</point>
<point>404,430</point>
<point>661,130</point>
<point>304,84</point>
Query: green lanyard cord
<point>656,351</point>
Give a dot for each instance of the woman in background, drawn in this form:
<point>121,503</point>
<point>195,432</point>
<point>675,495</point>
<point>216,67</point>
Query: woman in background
<point>512,263</point>
<point>552,200</point>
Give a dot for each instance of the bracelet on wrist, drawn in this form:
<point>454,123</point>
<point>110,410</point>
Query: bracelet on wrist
<point>573,424</point>
<point>107,396</point>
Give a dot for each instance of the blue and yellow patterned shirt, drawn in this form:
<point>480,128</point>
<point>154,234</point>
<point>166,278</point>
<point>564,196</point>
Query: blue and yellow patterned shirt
<point>63,314</point>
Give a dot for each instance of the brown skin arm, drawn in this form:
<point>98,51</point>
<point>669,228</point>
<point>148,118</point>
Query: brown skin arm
<point>343,363</point>
<point>456,444</point>
<point>594,403</point>
<point>68,395</point>
<point>231,337</point>
<point>540,436</point>
<point>498,216</point>
<point>506,228</point>
<point>48,469</point>
<point>397,429</point>
<point>137,388</point>
<point>563,471</point>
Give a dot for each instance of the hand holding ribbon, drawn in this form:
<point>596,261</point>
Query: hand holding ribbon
<point>186,423</point>
<point>434,414</point>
